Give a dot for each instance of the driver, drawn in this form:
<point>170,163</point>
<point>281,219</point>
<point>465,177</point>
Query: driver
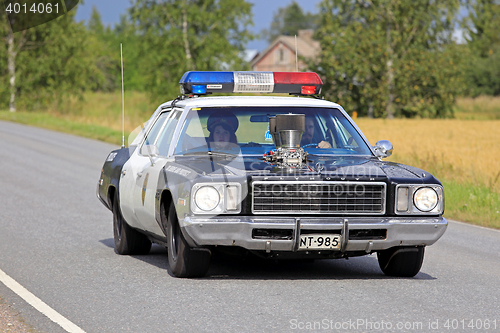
<point>222,127</point>
<point>308,136</point>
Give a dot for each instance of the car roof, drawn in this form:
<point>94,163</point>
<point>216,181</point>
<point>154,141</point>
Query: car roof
<point>252,101</point>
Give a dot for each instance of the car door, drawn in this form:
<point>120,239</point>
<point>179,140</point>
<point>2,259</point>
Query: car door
<point>147,184</point>
<point>140,174</point>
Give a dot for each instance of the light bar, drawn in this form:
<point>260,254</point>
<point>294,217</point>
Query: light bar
<point>297,83</point>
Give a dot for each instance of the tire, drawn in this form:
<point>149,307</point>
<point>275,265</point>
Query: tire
<point>401,261</point>
<point>127,240</point>
<point>183,260</point>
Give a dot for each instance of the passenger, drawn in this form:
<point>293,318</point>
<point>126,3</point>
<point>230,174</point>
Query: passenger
<point>308,135</point>
<point>222,127</point>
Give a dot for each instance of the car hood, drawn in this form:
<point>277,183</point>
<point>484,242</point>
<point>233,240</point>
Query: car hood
<point>330,167</point>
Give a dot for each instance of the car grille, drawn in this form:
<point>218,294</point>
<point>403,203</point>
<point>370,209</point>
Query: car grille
<point>318,197</point>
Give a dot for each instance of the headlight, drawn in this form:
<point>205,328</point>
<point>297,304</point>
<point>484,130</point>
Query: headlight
<point>419,199</point>
<point>207,198</point>
<point>216,198</point>
<point>425,199</point>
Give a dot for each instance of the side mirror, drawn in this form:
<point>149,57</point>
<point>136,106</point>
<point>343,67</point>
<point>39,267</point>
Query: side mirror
<point>383,148</point>
<point>150,150</point>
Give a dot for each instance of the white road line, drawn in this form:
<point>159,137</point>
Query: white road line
<point>38,304</point>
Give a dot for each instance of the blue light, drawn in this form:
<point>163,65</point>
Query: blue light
<point>207,78</point>
<point>201,83</point>
<point>199,89</point>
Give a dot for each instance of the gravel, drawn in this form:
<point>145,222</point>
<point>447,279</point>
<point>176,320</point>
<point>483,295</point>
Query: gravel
<point>11,321</point>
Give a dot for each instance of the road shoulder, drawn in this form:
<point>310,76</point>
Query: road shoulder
<point>11,320</point>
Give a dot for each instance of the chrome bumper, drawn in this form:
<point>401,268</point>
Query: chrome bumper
<point>237,231</point>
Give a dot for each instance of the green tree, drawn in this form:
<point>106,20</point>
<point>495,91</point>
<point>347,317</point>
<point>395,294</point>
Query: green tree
<point>483,73</point>
<point>390,57</point>
<point>45,64</point>
<point>103,44</point>
<point>288,20</point>
<point>181,35</point>
<point>482,32</point>
<point>482,26</point>
<point>135,57</point>
<point>95,23</point>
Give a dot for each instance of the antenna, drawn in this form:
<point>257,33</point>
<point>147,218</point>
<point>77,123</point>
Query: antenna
<point>296,56</point>
<point>123,101</point>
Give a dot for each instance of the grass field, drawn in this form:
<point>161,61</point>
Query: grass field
<point>464,153</point>
<point>460,150</point>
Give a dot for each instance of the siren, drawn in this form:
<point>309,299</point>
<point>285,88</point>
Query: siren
<point>296,83</point>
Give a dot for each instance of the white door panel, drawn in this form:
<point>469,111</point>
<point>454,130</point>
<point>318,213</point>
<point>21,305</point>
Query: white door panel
<point>145,195</point>
<point>128,185</point>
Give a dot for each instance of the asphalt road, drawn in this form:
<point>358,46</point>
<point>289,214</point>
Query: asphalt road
<point>56,241</point>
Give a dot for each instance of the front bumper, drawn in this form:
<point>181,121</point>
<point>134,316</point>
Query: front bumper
<point>237,231</point>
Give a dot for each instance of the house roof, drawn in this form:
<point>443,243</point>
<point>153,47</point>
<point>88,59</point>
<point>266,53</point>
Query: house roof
<point>306,46</point>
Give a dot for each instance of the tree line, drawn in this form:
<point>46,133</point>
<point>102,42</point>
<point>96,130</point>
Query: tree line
<point>385,58</point>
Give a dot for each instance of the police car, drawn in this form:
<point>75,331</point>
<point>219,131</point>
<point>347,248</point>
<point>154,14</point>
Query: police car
<point>280,177</point>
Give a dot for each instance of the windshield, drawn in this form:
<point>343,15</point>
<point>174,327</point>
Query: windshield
<point>245,130</point>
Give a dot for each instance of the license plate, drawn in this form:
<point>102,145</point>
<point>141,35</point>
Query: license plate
<point>319,242</point>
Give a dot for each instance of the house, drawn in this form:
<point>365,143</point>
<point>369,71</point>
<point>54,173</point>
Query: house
<point>279,56</point>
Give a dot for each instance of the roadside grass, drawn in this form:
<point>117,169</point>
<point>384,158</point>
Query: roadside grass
<point>464,153</point>
<point>61,124</point>
<point>97,116</point>
<point>105,109</point>
<point>474,203</point>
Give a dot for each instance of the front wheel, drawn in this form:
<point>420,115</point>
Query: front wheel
<point>184,261</point>
<point>127,240</point>
<point>401,261</point>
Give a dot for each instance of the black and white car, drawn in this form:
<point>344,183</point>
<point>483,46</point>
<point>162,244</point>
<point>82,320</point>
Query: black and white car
<point>280,177</point>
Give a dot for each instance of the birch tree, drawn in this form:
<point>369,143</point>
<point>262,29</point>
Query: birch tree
<point>183,35</point>
<point>44,64</point>
<point>15,44</point>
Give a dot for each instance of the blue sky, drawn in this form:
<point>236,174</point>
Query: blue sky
<point>263,11</point>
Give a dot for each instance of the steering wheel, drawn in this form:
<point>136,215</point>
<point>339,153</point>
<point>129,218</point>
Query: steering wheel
<point>310,145</point>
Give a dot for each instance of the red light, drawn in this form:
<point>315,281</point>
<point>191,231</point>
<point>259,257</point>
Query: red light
<point>297,83</point>
<point>297,78</point>
<point>308,90</point>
